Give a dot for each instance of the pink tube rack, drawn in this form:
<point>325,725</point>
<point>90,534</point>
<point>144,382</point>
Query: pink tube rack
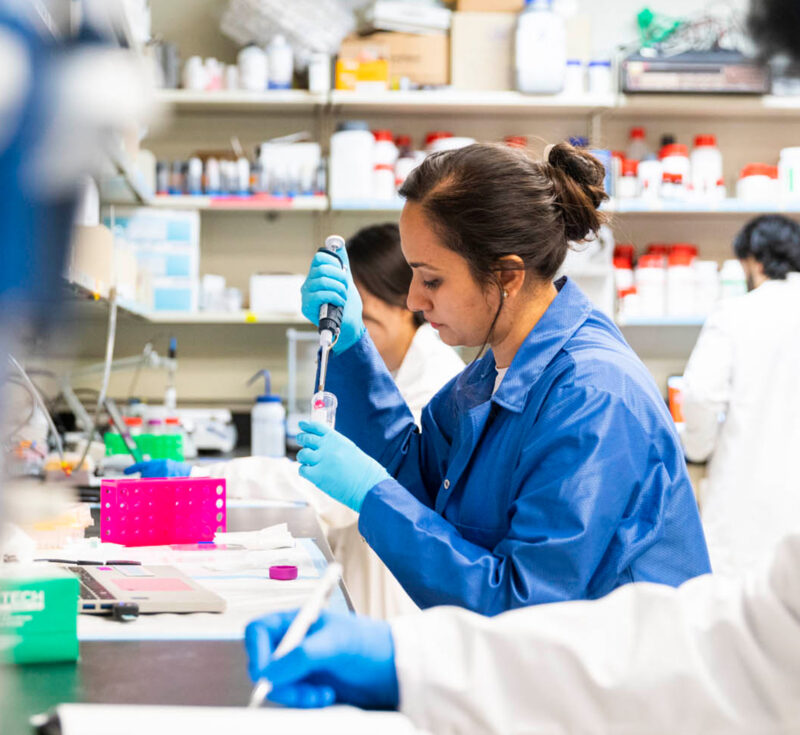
<point>184,510</point>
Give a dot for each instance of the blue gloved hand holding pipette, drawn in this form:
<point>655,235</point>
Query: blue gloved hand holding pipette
<point>160,468</point>
<point>343,658</point>
<point>336,465</point>
<point>330,283</point>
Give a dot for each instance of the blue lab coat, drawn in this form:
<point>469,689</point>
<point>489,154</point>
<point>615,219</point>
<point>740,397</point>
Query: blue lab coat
<point>568,482</point>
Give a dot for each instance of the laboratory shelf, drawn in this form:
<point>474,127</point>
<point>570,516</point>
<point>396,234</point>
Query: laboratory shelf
<point>453,100</point>
<point>241,101</point>
<point>133,179</point>
<point>258,203</point>
<point>223,317</point>
<point>718,105</point>
<point>730,206</point>
<point>367,205</point>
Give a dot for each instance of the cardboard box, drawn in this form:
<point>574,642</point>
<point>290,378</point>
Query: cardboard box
<point>423,58</point>
<point>490,6</point>
<point>482,50</point>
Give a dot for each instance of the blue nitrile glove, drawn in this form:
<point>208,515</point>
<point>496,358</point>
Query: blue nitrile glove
<point>160,468</point>
<point>336,465</point>
<point>344,658</point>
<point>329,283</point>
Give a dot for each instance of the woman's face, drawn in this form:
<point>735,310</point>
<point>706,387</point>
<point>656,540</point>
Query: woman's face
<point>442,287</point>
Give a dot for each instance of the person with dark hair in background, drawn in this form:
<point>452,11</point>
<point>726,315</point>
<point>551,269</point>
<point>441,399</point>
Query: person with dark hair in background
<point>742,402</point>
<point>418,360</point>
<point>549,469</point>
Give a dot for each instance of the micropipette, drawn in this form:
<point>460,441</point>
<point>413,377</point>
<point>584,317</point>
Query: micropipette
<point>330,316</point>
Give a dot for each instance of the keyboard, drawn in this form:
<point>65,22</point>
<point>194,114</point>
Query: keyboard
<point>91,589</point>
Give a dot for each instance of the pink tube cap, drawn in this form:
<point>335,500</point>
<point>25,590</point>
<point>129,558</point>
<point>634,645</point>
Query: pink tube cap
<point>283,572</point>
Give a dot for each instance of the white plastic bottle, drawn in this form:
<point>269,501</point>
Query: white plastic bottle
<point>732,280</point>
<point>352,161</point>
<point>253,69</point>
<point>541,49</point>
<point>281,63</point>
<point>637,148</point>
<point>385,157</point>
<point>267,422</point>
<point>706,167</point>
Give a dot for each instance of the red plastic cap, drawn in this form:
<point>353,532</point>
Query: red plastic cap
<point>674,149</point>
<point>684,247</point>
<point>403,140</point>
<point>658,248</point>
<point>618,154</point>
<point>709,141</point>
<point>630,167</point>
<point>651,261</point>
<point>622,262</point>
<point>637,133</point>
<point>383,135</point>
<point>759,169</point>
<point>680,258</point>
<point>516,141</point>
<point>436,135</point>
<point>624,250</point>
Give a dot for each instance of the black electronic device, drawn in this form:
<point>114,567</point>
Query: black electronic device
<point>694,72</point>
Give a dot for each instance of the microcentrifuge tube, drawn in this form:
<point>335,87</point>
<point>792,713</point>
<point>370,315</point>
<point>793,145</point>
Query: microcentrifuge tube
<point>323,408</point>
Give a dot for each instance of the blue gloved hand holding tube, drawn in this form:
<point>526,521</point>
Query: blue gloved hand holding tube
<point>329,283</point>
<point>336,465</point>
<point>160,468</point>
<point>344,658</point>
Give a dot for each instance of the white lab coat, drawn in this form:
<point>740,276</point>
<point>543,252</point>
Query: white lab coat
<point>428,365</point>
<point>716,656</point>
<point>746,368</point>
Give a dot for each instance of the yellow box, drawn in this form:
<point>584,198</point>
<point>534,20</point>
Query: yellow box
<point>353,75</point>
<point>422,57</point>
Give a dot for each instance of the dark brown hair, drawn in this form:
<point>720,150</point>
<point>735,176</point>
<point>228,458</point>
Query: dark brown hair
<point>488,201</point>
<point>377,263</point>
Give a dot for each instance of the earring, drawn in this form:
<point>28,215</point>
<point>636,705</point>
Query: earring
<point>505,294</point>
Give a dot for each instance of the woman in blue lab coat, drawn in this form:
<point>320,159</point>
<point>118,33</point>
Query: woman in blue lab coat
<point>549,469</point>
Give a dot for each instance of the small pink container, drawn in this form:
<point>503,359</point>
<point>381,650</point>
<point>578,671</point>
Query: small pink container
<point>181,510</point>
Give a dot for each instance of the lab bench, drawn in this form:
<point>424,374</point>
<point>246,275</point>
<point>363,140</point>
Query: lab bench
<point>185,672</point>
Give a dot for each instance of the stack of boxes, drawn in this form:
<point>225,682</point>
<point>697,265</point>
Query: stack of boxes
<point>166,245</point>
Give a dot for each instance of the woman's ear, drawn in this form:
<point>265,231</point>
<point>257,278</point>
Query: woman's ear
<point>511,275</point>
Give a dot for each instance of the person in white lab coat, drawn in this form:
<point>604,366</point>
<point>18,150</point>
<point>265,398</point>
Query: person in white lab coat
<point>420,363</point>
<point>741,402</point>
<point>716,655</point>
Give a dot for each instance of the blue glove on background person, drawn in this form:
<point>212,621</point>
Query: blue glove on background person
<point>329,283</point>
<point>336,465</point>
<point>347,659</point>
<point>160,468</point>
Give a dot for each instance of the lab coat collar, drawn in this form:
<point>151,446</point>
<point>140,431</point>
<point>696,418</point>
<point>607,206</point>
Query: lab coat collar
<point>563,317</point>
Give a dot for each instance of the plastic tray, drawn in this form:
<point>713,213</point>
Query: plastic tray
<point>185,510</point>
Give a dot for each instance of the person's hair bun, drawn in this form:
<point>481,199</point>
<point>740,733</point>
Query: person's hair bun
<point>578,181</point>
